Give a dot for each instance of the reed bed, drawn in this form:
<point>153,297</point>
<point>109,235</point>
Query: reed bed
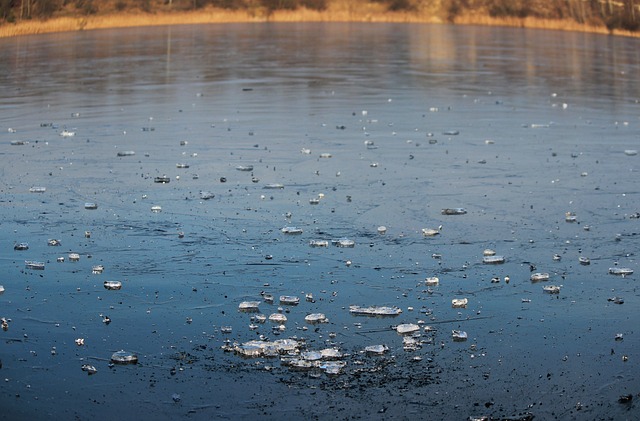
<point>338,14</point>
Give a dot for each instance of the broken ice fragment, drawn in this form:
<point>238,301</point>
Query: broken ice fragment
<point>89,369</point>
<point>289,300</point>
<point>291,230</point>
<point>537,277</point>
<point>318,243</point>
<point>620,271</point>
<point>407,328</point>
<point>124,357</point>
<point>21,246</point>
<point>432,281</point>
<point>454,211</point>
<point>36,189</point>
<point>459,302</point>
<point>156,209</point>
<point>277,318</point>
<point>493,260</point>
<point>551,289</point>
<point>316,318</point>
<point>584,260</point>
<point>91,206</point>
<point>249,306</point>
<point>112,285</point>
<point>570,217</point>
<point>74,257</point>
<point>344,242</point>
<point>97,269</point>
<point>376,349</point>
<point>126,153</point>
<point>488,252</point>
<point>430,232</point>
<point>375,310</point>
<point>332,367</point>
<point>30,264</point>
<point>54,243</point>
<point>459,335</point>
<point>163,179</point>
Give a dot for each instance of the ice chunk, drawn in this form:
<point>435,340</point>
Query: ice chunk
<point>376,349</point>
<point>156,209</point>
<point>274,186</point>
<point>21,246</point>
<point>430,232</point>
<point>277,318</point>
<point>97,269</point>
<point>551,289</point>
<point>37,189</point>
<point>33,265</point>
<point>382,229</point>
<point>454,211</point>
<point>89,369</point>
<point>631,152</point>
<point>459,335</point>
<point>488,252</point>
<point>375,310</point>
<point>584,260</point>
<point>316,318</point>
<point>206,195</point>
<point>112,285</point>
<point>620,271</point>
<point>289,300</point>
<point>54,243</point>
<point>493,260</point>
<point>182,165</point>
<point>244,168</point>
<point>249,306</point>
<point>91,206</point>
<point>124,357</point>
<point>1,289</point>
<point>126,153</point>
<point>74,257</point>
<point>406,328</point>
<point>319,243</point>
<point>537,277</point>
<point>291,230</point>
<point>459,302</point>
<point>163,179</point>
<point>344,242</point>
<point>432,281</point>
<point>332,367</point>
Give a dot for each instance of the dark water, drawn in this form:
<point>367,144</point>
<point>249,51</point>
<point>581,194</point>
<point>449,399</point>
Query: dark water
<point>517,126</point>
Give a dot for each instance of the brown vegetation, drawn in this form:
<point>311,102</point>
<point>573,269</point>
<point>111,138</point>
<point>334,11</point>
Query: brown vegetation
<point>38,16</point>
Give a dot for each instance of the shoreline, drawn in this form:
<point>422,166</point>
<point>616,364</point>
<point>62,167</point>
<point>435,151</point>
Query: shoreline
<point>212,15</point>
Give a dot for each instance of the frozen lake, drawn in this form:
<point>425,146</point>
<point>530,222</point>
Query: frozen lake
<point>173,157</point>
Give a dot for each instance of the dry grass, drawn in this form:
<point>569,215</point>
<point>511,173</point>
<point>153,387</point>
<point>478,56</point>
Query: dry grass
<point>340,13</point>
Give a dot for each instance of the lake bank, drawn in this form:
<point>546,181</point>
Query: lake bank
<point>213,15</point>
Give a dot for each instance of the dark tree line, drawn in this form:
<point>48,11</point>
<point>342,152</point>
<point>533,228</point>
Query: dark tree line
<point>615,14</point>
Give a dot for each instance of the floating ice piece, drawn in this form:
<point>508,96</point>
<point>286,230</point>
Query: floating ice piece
<point>344,242</point>
<point>206,195</point>
<point>631,152</point>
<point>33,265</point>
<point>331,353</point>
<point>459,302</point>
<point>616,300</point>
<point>226,329</point>
<point>112,285</point>
<point>97,269</point>
<point>182,165</point>
<point>493,260</point>
<point>53,242</point>
<point>67,133</point>
<point>570,217</point>
<point>89,369</point>
<point>74,257</point>
<point>407,328</point>
<point>21,246</point>
<point>537,277</point>
<point>244,168</point>
<point>332,367</point>
<point>488,252</point>
<point>289,300</point>
<point>584,260</point>
<point>314,201</point>
<point>266,348</point>
<point>37,189</point>
<point>459,335</point>
<point>325,155</point>
<point>454,211</point>
<point>1,289</point>
<point>319,243</point>
<point>126,153</point>
<point>376,349</point>
<point>156,208</point>
<point>273,186</point>
<point>268,297</point>
<point>557,257</point>
<point>551,289</point>
<point>305,151</point>
<point>91,206</point>
<point>162,179</point>
<point>124,357</point>
<point>260,318</point>
<point>620,271</point>
<point>382,229</point>
<point>375,310</point>
<point>277,318</point>
<point>316,318</point>
<point>291,230</point>
<point>79,341</point>
<point>618,337</point>
<point>451,132</point>
<point>432,281</point>
<point>249,306</point>
<point>19,142</point>
<point>409,343</point>
<point>430,232</point>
